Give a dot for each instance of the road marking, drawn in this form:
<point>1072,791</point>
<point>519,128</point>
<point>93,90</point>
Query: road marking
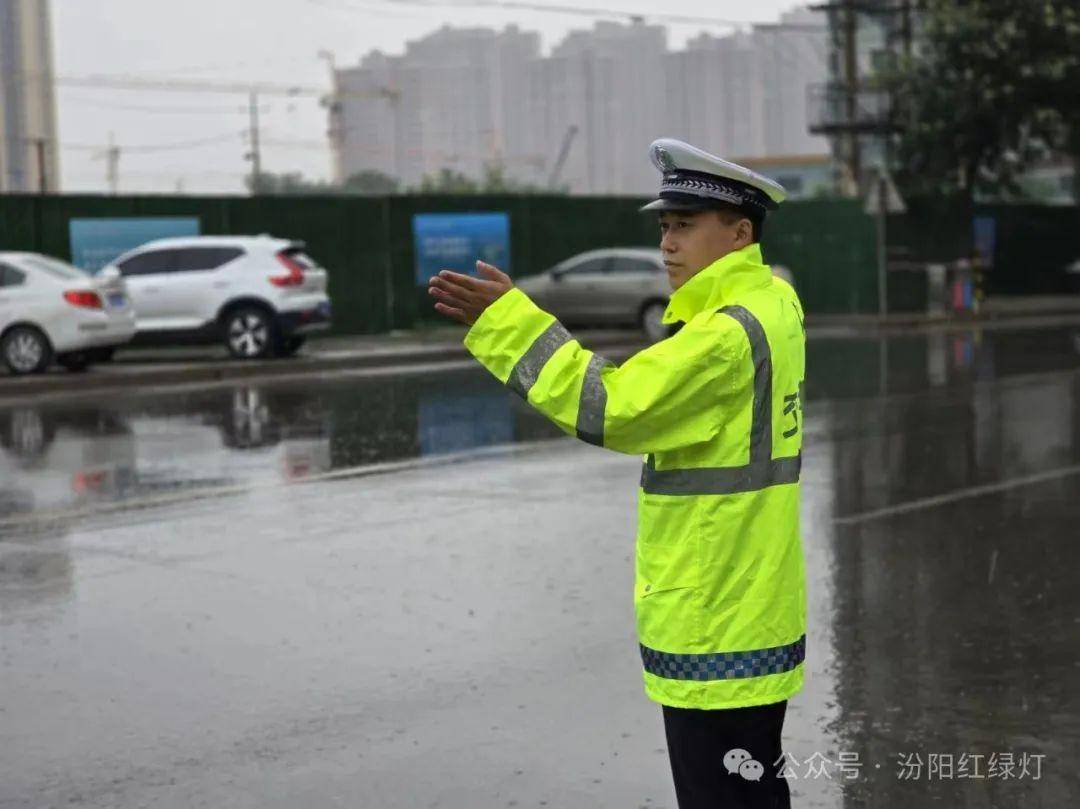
<point>959,494</point>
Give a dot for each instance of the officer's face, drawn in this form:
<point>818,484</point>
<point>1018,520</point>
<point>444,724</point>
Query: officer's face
<point>692,240</point>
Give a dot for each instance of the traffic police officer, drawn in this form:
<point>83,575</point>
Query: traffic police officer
<point>716,411</point>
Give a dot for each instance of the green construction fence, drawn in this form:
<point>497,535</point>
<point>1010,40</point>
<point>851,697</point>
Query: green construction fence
<point>366,243</point>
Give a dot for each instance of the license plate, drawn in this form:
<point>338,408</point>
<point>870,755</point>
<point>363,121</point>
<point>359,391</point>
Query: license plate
<point>117,300</point>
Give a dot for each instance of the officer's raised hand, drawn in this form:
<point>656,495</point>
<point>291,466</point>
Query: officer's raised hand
<point>463,297</point>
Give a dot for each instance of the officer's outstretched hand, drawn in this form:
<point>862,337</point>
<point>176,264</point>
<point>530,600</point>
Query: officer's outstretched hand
<point>463,297</point>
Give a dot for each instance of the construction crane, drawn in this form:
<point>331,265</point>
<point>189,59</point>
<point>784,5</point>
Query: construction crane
<point>117,82</point>
<point>564,151</point>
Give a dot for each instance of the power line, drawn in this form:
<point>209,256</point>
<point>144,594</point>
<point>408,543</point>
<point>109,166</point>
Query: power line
<point>340,5</point>
<point>166,174</point>
<point>147,148</point>
<point>185,145</point>
<point>584,11</point>
<point>121,82</point>
<point>279,143</point>
<point>205,67</point>
<point>156,109</point>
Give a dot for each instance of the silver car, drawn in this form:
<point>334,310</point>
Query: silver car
<point>617,286</point>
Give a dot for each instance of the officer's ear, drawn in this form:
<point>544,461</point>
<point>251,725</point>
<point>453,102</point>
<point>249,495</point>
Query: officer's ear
<point>744,232</point>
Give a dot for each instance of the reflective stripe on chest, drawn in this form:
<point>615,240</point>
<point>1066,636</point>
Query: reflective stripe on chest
<point>762,471</point>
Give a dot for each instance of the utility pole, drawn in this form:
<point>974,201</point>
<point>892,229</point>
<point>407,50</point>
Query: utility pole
<point>335,132</point>
<point>254,155</point>
<point>854,108</point>
<point>112,166</point>
<point>851,88</point>
<point>839,117</point>
<point>881,189</point>
<point>43,180</point>
<point>111,155</point>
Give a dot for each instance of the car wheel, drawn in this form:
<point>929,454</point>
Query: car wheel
<point>26,350</point>
<point>249,333</point>
<point>26,434</point>
<point>288,346</point>
<point>74,361</point>
<point>651,321</point>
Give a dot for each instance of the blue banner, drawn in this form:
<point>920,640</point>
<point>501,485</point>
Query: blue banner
<point>454,423</point>
<point>454,241</point>
<point>96,242</point>
<point>985,237</point>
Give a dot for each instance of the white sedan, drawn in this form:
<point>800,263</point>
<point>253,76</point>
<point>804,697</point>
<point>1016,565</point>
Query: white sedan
<point>50,310</point>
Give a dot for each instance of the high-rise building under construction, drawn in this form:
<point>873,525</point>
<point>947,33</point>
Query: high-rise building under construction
<point>581,116</point>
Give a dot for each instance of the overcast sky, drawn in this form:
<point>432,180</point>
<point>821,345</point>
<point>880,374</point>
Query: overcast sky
<point>256,40</point>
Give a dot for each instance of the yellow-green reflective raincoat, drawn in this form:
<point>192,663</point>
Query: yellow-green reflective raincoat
<point>716,410</point>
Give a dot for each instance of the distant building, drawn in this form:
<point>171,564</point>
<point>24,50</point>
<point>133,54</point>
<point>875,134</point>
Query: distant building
<point>609,83</point>
<point>456,99</point>
<point>467,99</point>
<point>28,144</point>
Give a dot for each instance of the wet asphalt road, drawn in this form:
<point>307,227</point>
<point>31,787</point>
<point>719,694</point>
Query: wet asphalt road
<point>208,599</point>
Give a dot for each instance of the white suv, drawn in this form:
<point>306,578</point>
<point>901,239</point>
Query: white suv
<point>258,294</point>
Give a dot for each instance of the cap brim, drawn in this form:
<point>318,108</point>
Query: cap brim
<point>674,205</point>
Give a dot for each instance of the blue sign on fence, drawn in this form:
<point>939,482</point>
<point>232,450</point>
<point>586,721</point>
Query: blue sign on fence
<point>96,242</point>
<point>454,241</point>
<point>985,237</point>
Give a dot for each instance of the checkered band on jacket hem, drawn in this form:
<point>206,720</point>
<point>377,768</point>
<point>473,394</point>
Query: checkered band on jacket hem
<point>724,665</point>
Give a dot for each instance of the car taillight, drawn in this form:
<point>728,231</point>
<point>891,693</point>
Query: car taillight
<point>88,481</point>
<point>89,300</point>
<point>296,273</point>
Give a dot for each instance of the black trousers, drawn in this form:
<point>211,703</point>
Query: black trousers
<point>727,759</point>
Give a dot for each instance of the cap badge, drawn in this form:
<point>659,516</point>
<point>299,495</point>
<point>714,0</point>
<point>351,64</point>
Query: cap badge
<point>664,159</point>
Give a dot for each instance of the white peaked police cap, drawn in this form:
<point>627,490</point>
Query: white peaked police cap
<point>693,179</point>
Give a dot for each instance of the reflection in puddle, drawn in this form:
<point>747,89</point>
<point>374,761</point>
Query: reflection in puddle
<point>134,445</point>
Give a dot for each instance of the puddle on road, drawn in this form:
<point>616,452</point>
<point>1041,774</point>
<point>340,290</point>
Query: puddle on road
<point>126,445</point>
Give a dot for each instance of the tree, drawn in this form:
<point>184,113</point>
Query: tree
<point>288,183</point>
<point>993,85</point>
<point>447,181</point>
<point>492,181</point>
<point>377,183</point>
<point>370,182</point>
<point>362,183</point>
<point>495,181</point>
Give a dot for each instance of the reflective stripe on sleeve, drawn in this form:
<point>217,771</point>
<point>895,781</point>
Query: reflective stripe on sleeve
<point>761,424</point>
<point>593,403</point>
<point>528,368</point>
<point>724,665</point>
